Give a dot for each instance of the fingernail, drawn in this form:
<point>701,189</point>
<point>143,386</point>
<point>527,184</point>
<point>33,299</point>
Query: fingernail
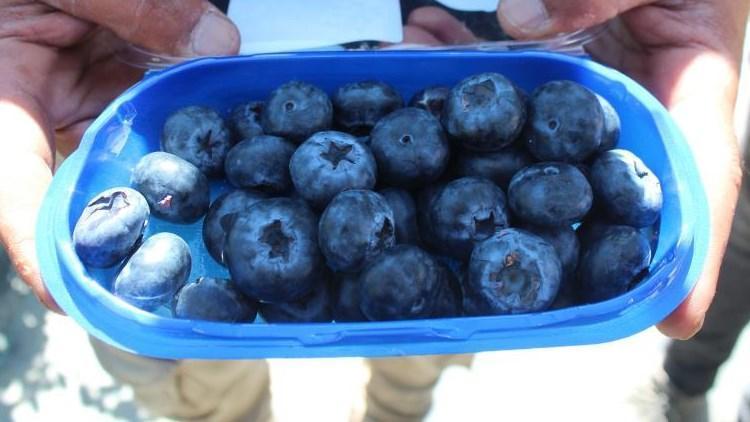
<point>213,35</point>
<point>528,16</point>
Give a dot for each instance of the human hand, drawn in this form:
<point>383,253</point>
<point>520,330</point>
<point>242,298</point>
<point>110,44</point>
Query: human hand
<point>687,53</point>
<point>59,67</point>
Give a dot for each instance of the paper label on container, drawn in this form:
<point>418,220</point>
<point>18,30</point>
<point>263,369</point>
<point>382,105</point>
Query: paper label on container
<point>289,25</point>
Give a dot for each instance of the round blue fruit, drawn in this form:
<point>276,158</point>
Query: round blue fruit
<point>110,227</point>
<point>272,250</point>
<point>612,263</point>
<point>356,227</point>
<point>404,214</point>
<point>566,122</point>
<point>154,273</point>
<point>245,120</point>
<point>329,163</point>
<point>198,135</point>
<point>512,272</point>
<point>566,244</point>
<point>410,148</point>
<point>499,166</point>
<point>485,112</point>
<point>221,215</point>
<point>261,163</point>
<point>464,212</point>
<point>612,124</point>
<point>358,106</point>
<point>550,194</point>
<point>402,283</point>
<point>296,110</point>
<point>316,306</point>
<point>175,190</point>
<point>626,189</point>
<point>449,300</point>
<point>431,99</point>
<point>347,298</point>
<point>213,299</point>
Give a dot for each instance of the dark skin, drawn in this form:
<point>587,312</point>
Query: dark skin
<point>59,71</point>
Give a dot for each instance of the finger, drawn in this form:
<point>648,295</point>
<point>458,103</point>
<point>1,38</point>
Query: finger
<point>419,35</point>
<point>539,18</point>
<point>442,25</point>
<point>175,27</point>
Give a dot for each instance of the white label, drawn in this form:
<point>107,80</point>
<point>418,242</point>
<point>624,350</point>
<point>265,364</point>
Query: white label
<point>289,25</point>
<point>471,5</point>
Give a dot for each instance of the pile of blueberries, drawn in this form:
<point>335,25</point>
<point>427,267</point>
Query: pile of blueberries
<point>473,200</point>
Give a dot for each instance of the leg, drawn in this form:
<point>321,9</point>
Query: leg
<point>197,390</point>
<point>400,389</point>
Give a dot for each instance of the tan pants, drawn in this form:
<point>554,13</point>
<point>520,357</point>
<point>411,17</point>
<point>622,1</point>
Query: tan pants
<point>399,390</point>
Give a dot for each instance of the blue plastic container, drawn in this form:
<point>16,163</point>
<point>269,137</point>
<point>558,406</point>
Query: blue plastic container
<point>130,127</point>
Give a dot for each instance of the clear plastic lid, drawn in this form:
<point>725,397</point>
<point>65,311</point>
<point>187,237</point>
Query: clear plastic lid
<point>277,26</point>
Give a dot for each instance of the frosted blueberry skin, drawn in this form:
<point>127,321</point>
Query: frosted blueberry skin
<point>358,106</point>
<point>261,163</point>
<point>499,166</point>
<point>347,298</point>
<point>404,214</point>
<point>296,110</point>
<point>316,306</point>
<point>213,299</point>
<point>155,272</point>
<point>220,216</point>
<point>198,135</point>
<point>612,125</point>
<point>110,227</point>
<point>431,99</point>
<point>566,244</point>
<point>245,120</point>
<point>512,272</point>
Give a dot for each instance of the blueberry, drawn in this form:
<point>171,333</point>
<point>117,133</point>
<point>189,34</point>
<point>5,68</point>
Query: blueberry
<point>485,112</point>
<point>431,99</point>
<point>512,272</point>
<point>565,242</point>
<point>627,190</point>
<point>466,211</point>
<point>404,214</point>
<point>220,216</point>
<point>198,135</point>
<point>329,163</point>
<point>213,299</point>
<point>611,125</point>
<point>355,228</point>
<point>410,148</point>
<point>110,227</point>
<point>613,263</point>
<point>261,163</point>
<point>245,120</point>
<point>316,306</point>
<point>358,106</point>
<point>566,122</point>
<point>296,110</point>
<point>449,300</point>
<point>424,199</point>
<point>272,250</point>
<point>155,272</point>
<point>550,194</point>
<point>347,299</point>
<point>174,189</point>
<point>402,283</point>
<point>499,166</point>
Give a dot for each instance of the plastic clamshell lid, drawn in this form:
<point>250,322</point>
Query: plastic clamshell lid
<point>130,128</point>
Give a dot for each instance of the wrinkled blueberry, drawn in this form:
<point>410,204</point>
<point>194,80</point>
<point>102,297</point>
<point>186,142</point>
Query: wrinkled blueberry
<point>512,272</point>
<point>155,272</point>
<point>550,194</point>
<point>626,189</point>
<point>466,211</point>
<point>402,283</point>
<point>358,106</point>
<point>611,133</point>
<point>499,166</point>
<point>565,242</point>
<point>261,163</point>
<point>355,228</point>
<point>272,250</point>
<point>175,189</point>
<point>329,163</point>
<point>213,299</point>
<point>404,214</point>
<point>485,112</point>
<point>347,299</point>
<point>566,122</point>
<point>198,135</point>
<point>245,120</point>
<point>612,263</point>
<point>110,227</point>
<point>431,99</point>
<point>296,110</point>
<point>316,306</point>
<point>410,148</point>
<point>220,216</point>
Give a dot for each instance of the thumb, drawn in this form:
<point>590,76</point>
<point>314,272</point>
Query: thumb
<point>176,27</point>
<point>526,19</point>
